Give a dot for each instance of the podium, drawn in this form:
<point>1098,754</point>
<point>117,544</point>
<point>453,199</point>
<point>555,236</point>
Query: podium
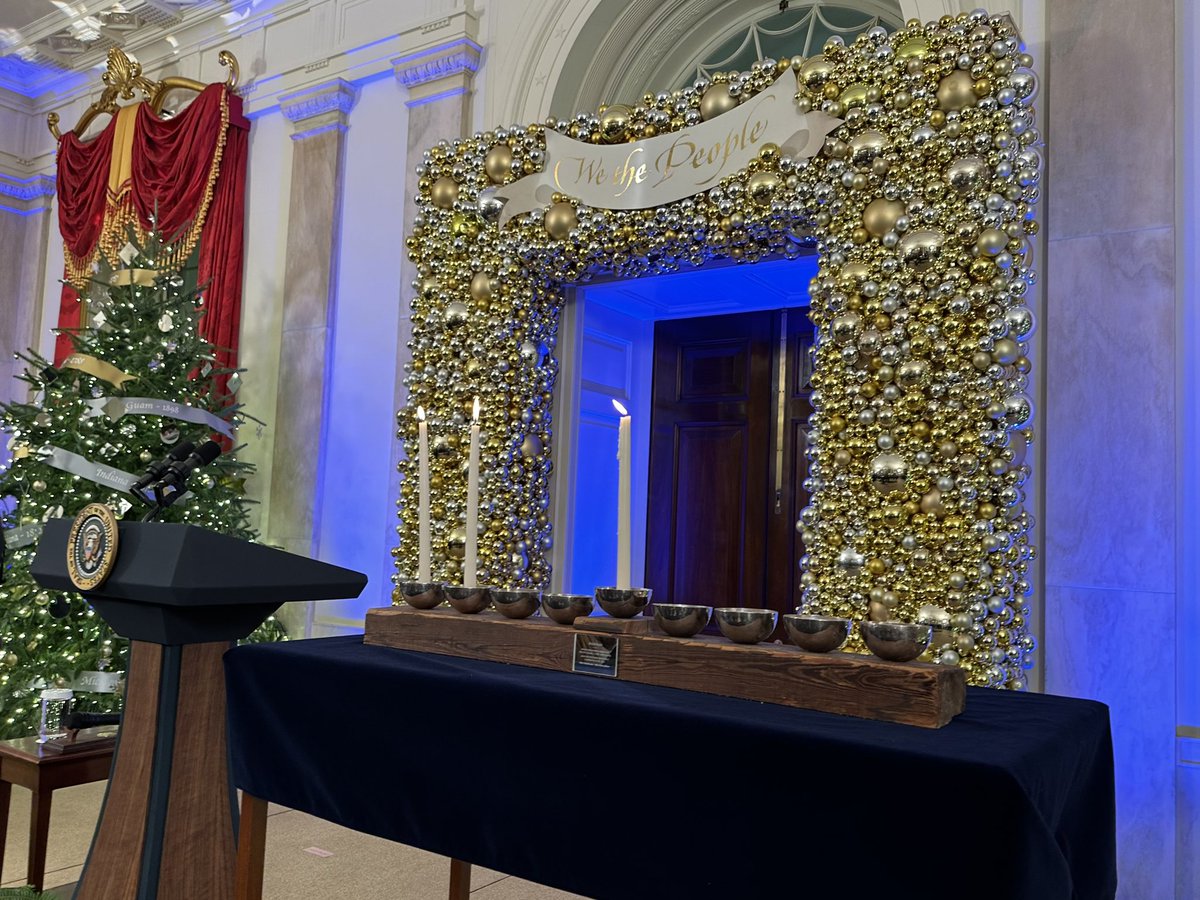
<point>182,595</point>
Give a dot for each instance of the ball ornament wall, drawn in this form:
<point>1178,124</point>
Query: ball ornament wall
<point>919,204</point>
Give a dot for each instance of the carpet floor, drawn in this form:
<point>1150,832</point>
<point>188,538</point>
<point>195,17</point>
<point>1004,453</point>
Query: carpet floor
<point>306,857</point>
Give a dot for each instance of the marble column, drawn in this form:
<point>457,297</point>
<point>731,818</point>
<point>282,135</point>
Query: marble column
<point>1110,538</point>
<point>439,74</point>
<point>319,118</point>
<point>25,220</point>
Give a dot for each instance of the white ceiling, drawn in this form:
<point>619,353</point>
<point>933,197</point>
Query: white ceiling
<point>41,40</point>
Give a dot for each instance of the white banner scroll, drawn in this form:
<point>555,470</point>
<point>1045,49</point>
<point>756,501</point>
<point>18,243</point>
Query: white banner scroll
<point>117,407</point>
<point>669,167</point>
<point>65,460</point>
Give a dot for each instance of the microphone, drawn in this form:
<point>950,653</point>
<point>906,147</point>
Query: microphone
<point>170,487</point>
<point>157,470</point>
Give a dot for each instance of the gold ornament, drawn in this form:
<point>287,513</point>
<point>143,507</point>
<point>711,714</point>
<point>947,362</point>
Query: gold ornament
<point>966,174</point>
<point>614,123</point>
<point>992,241</point>
<point>815,72</point>
<point>444,192</point>
<point>456,543</point>
<point>531,446</point>
<point>481,286</point>
<point>762,187</point>
<point>865,148</point>
<point>456,313</point>
<point>931,504</point>
<point>881,215</point>
<point>920,249</point>
<point>560,219</point>
<point>889,472</point>
<point>956,91</point>
<point>855,95</point>
<point>914,48</point>
<point>715,101</point>
<point>497,165</point>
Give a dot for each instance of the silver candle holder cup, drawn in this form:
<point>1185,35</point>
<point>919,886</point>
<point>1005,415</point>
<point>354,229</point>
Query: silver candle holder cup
<point>623,603</point>
<point>422,594</point>
<point>468,600</point>
<point>566,608</point>
<point>681,619</point>
<point>743,625</point>
<point>516,604</point>
<point>816,634</point>
<point>896,641</point>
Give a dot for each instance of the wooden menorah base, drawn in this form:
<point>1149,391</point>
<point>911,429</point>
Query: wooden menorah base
<point>849,684</point>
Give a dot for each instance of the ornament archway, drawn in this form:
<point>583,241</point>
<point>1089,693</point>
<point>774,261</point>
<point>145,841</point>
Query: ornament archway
<point>920,202</point>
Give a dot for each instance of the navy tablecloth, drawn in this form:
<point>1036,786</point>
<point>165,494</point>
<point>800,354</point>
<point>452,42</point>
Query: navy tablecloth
<point>627,791</point>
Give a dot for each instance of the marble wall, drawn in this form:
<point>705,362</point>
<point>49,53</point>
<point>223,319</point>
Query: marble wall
<point>23,228</point>
<point>1109,532</point>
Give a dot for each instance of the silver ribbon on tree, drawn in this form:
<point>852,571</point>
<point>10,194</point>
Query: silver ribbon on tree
<point>118,407</point>
<point>22,535</point>
<point>663,169</point>
<point>73,463</point>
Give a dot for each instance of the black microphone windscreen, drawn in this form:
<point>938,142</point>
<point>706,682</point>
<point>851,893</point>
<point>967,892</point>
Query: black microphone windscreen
<point>209,451</point>
<point>181,451</point>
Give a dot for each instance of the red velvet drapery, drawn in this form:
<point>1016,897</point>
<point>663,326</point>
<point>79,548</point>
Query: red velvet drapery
<point>188,172</point>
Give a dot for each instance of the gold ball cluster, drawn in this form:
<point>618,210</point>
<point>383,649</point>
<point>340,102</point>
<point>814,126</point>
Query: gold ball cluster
<point>919,206</point>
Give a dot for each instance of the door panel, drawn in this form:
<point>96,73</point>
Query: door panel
<point>710,437</point>
<point>710,465</point>
<point>723,502</point>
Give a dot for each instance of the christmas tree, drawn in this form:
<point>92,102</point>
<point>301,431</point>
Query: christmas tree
<point>141,381</point>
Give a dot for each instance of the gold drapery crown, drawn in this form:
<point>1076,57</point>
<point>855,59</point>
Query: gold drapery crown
<point>123,80</point>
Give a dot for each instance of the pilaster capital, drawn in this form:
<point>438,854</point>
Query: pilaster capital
<point>441,57</point>
<point>315,110</point>
<point>26,195</point>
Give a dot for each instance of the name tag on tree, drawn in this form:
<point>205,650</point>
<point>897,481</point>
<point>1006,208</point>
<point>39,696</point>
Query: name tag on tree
<point>98,682</point>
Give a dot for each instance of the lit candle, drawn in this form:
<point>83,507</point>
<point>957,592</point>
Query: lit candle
<point>624,497</point>
<point>470,562</point>
<point>423,573</point>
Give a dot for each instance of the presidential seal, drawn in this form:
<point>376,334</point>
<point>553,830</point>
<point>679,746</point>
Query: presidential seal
<point>92,546</point>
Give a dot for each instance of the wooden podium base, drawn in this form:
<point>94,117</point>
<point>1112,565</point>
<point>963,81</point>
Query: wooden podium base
<point>845,683</point>
<point>167,829</point>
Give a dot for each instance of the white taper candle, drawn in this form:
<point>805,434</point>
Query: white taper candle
<point>624,498</point>
<point>425,549</point>
<point>471,560</point>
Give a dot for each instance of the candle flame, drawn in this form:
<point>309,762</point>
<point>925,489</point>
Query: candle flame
<point>619,408</point>
<point>475,413</point>
<point>421,413</point>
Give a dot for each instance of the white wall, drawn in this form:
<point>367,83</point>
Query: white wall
<point>357,515</point>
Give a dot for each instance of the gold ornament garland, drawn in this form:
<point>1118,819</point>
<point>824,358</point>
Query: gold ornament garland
<point>920,205</point>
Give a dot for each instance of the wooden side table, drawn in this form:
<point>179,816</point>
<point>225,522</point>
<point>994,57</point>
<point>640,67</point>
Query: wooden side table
<point>25,762</point>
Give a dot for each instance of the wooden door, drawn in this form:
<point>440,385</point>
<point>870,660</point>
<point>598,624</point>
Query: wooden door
<point>724,491</point>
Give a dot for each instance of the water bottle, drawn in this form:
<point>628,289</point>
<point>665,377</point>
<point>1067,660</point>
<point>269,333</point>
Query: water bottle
<point>56,704</point>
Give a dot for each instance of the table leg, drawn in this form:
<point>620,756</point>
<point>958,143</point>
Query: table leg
<point>39,836</point>
<point>252,848</point>
<point>5,797</point>
<point>460,880</point>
